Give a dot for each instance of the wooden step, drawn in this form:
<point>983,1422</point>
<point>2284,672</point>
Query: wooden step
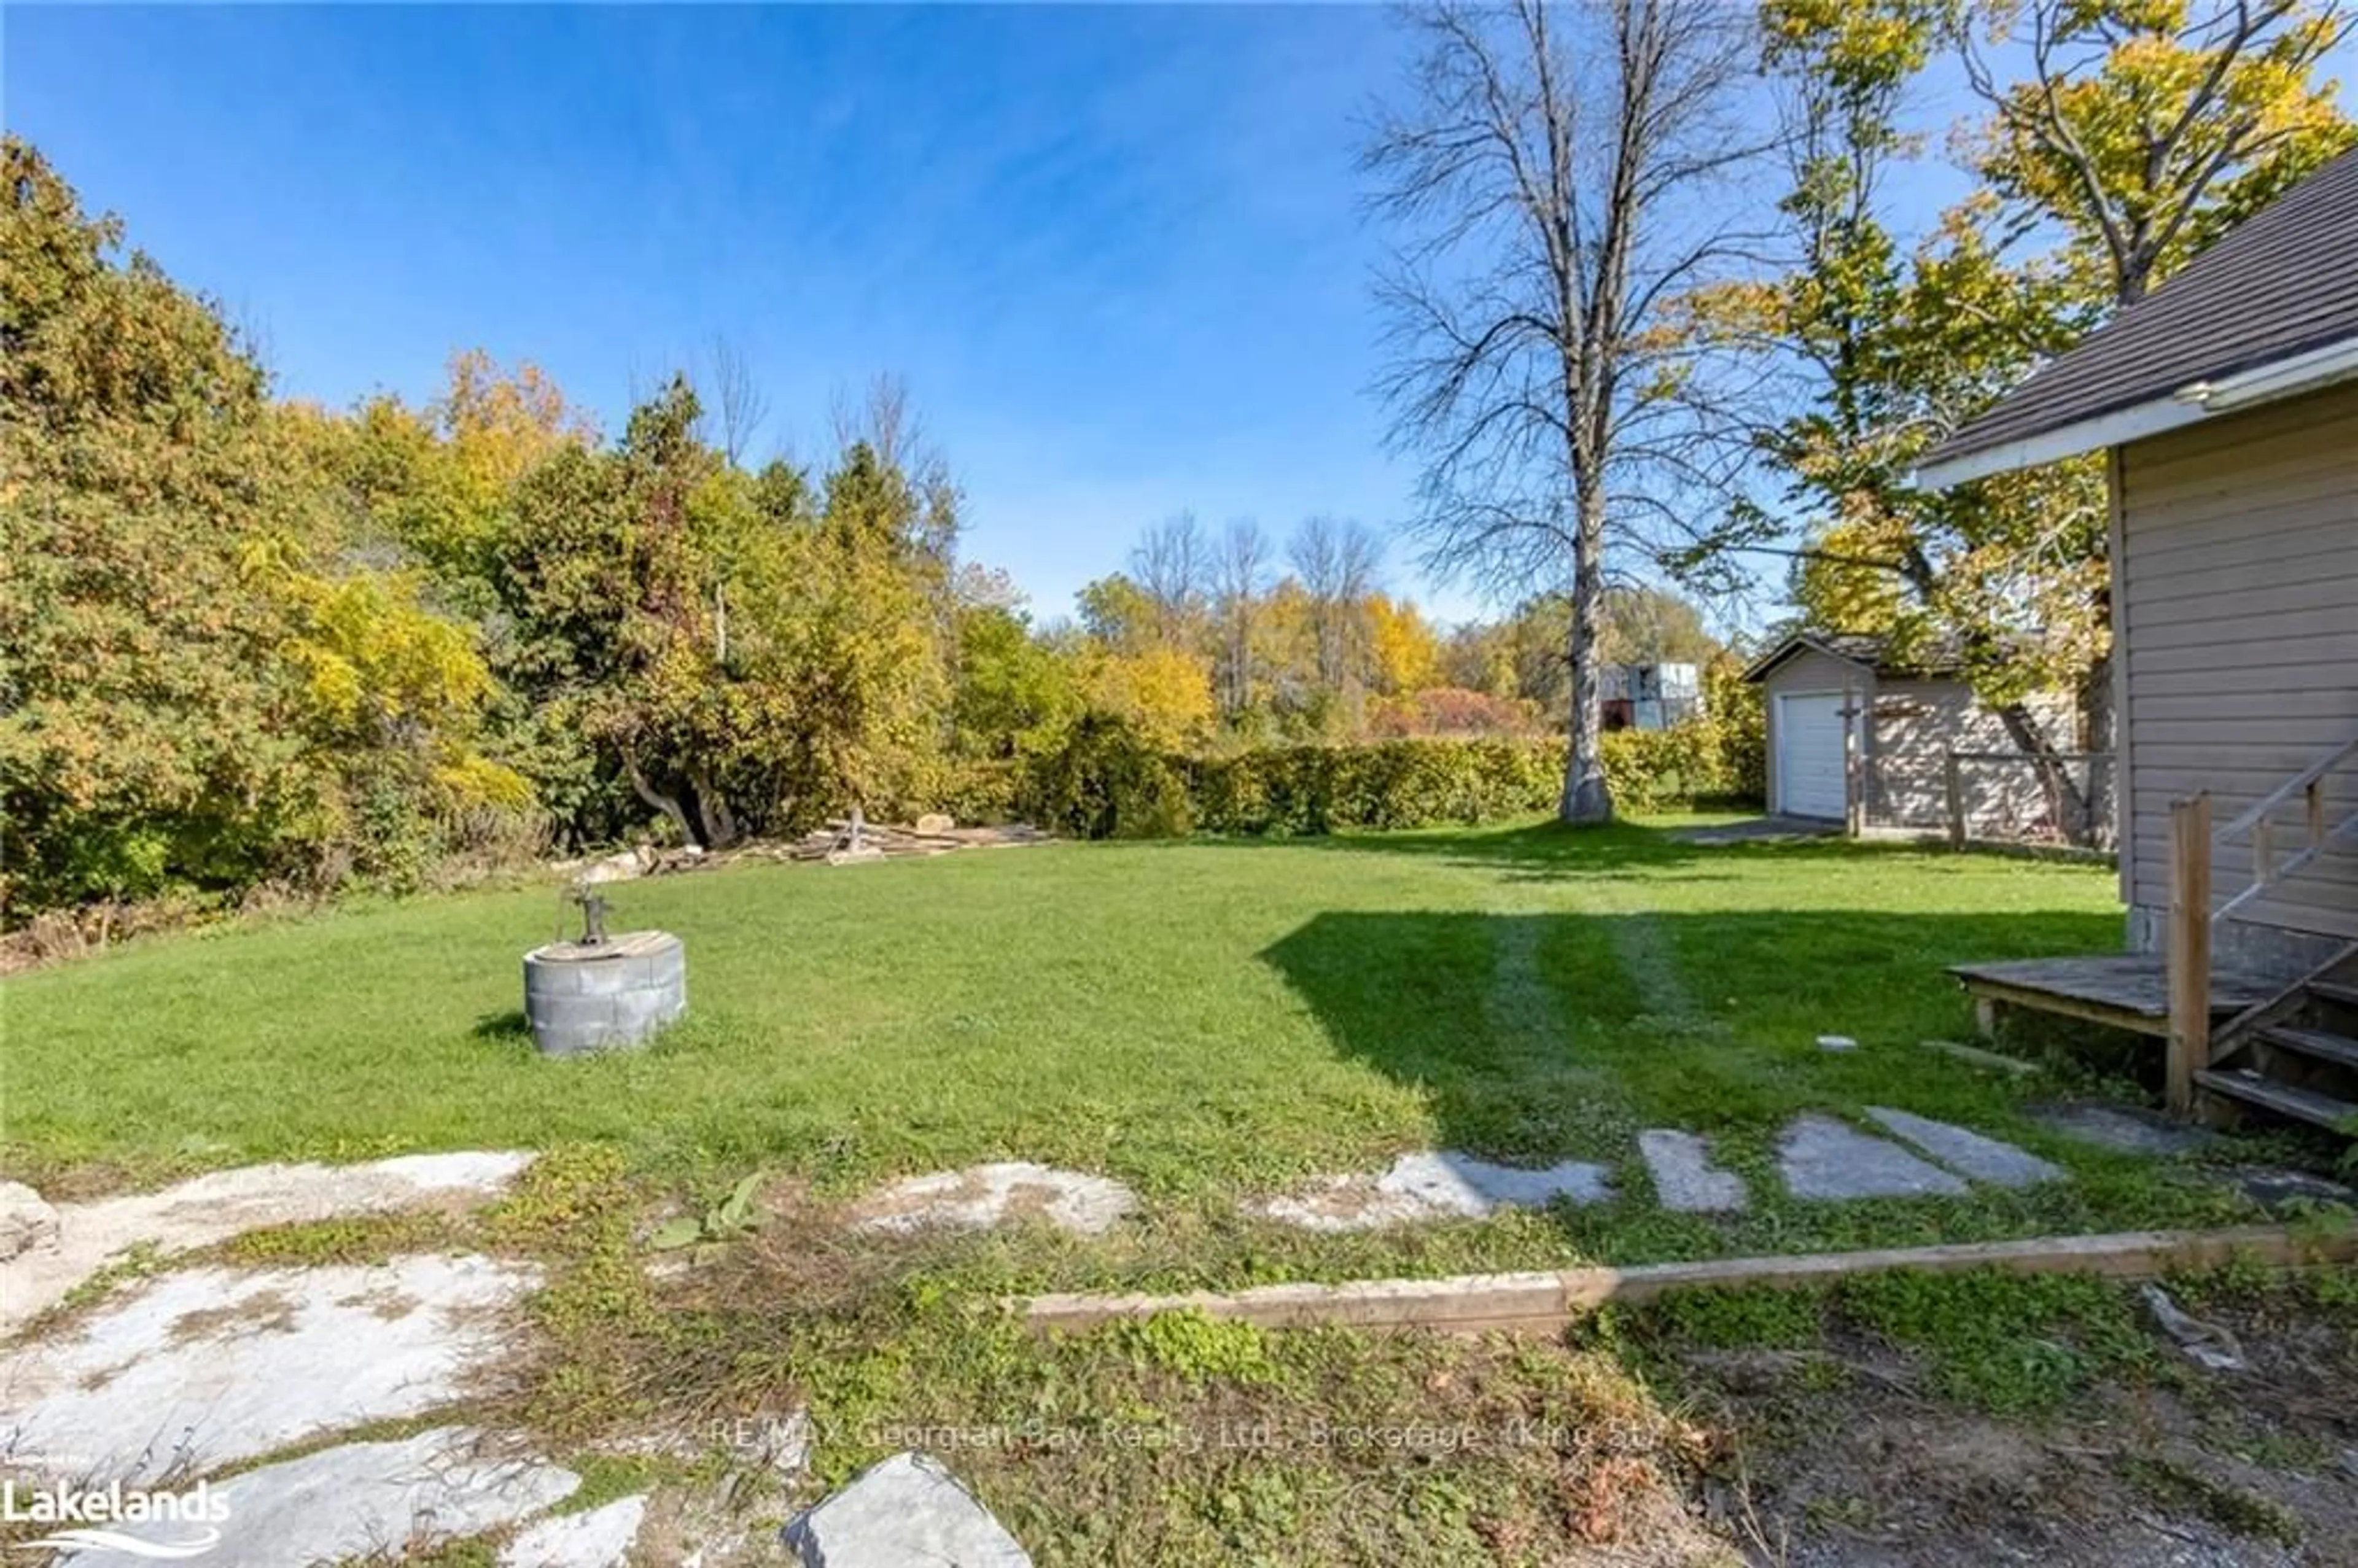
<point>2338,1049</point>
<point>2334,991</point>
<point>2302,1105</point>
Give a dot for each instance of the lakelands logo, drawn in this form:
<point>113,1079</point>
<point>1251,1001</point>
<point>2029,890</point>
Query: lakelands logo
<point>197,1515</point>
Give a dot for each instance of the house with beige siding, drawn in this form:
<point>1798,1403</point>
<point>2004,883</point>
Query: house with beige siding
<point>2226,403</point>
<point>1866,732</point>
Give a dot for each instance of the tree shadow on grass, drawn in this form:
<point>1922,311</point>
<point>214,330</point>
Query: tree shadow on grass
<point>1553,851</point>
<point>1542,1037</point>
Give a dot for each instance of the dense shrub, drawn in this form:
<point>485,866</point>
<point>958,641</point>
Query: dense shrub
<point>1385,783</point>
<point>1110,783</point>
<point>1737,717</point>
<point>1443,710</point>
<point>1106,781</point>
<point>1650,769</point>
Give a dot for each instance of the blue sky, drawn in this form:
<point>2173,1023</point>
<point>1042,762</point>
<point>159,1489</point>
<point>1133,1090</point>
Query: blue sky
<point>1115,251</point>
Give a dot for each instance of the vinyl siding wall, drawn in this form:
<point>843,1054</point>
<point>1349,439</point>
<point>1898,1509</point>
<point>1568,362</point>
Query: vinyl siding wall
<point>2238,608</point>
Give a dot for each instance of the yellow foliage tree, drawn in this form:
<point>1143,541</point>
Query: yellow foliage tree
<point>1166,693</point>
<point>1407,654</point>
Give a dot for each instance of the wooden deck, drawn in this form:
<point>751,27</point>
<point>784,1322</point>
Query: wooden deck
<point>2126,990</point>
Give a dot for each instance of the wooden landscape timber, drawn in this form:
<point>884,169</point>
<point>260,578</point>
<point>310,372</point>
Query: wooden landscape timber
<point>842,838</point>
<point>836,843</point>
<point>1546,1303</point>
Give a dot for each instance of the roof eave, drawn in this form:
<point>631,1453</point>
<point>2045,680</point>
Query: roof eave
<point>2116,429</point>
<point>2290,377</point>
<point>1798,641</point>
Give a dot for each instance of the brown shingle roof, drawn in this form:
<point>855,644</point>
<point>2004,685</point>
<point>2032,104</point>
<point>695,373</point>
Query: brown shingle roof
<point>1933,657</point>
<point>2280,283</point>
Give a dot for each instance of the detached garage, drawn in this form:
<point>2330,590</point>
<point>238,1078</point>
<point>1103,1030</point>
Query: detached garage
<point>1858,735</point>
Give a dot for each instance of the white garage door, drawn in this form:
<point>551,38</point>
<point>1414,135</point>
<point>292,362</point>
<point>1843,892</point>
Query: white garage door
<point>1810,754</point>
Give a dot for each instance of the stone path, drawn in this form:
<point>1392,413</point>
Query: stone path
<point>363,1499</point>
<point>1818,1158</point>
<point>1434,1184</point>
<point>984,1195</point>
<point>205,1366</point>
<point>2124,1129</point>
<point>1969,1153</point>
<point>200,1369</point>
<point>905,1512</point>
<point>1685,1180</point>
<point>597,1538</point>
<point>1822,1157</point>
<point>57,1250</point>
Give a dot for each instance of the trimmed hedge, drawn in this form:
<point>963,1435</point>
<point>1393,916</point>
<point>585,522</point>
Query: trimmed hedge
<point>1107,783</point>
<point>1383,783</point>
<point>1649,770</point>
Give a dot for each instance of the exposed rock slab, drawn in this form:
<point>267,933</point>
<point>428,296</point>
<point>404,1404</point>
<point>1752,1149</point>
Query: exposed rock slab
<point>28,1223</point>
<point>985,1195</point>
<point>214,1208</point>
<point>202,1368</point>
<point>597,1538</point>
<point>363,1500</point>
<point>1685,1180</point>
<point>1969,1153</point>
<point>1822,1157</point>
<point>1440,1183</point>
<point>906,1511</point>
<point>2277,1190</point>
<point>2124,1129</point>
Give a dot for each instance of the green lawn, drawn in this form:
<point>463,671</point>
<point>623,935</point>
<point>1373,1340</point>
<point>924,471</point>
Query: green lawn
<point>1205,1020</point>
<point>1208,1021</point>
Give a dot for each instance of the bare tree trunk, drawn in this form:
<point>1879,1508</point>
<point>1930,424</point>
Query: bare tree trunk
<point>2098,812</point>
<point>668,804</point>
<point>1560,166</point>
<point>1586,796</point>
<point>2064,797</point>
<point>712,811</point>
<point>737,397</point>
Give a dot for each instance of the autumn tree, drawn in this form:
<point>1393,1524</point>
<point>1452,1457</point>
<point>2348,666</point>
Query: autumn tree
<point>1017,694</point>
<point>440,479</point>
<point>1556,176</point>
<point>2145,129</point>
<point>2141,131</point>
<point>1163,694</point>
<point>136,744</point>
<point>1171,566</point>
<point>1648,625</point>
<point>1336,561</point>
<point>739,403</point>
<point>1404,654</point>
<point>208,681</point>
<point>1240,576</point>
<point>1118,612</point>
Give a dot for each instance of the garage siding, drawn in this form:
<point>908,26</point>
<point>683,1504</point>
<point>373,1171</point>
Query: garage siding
<point>1917,722</point>
<point>2238,610</point>
<point>1808,671</point>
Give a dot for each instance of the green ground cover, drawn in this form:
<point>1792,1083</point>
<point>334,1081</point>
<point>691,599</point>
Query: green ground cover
<point>1205,1020</point>
<point>1211,1022</point>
